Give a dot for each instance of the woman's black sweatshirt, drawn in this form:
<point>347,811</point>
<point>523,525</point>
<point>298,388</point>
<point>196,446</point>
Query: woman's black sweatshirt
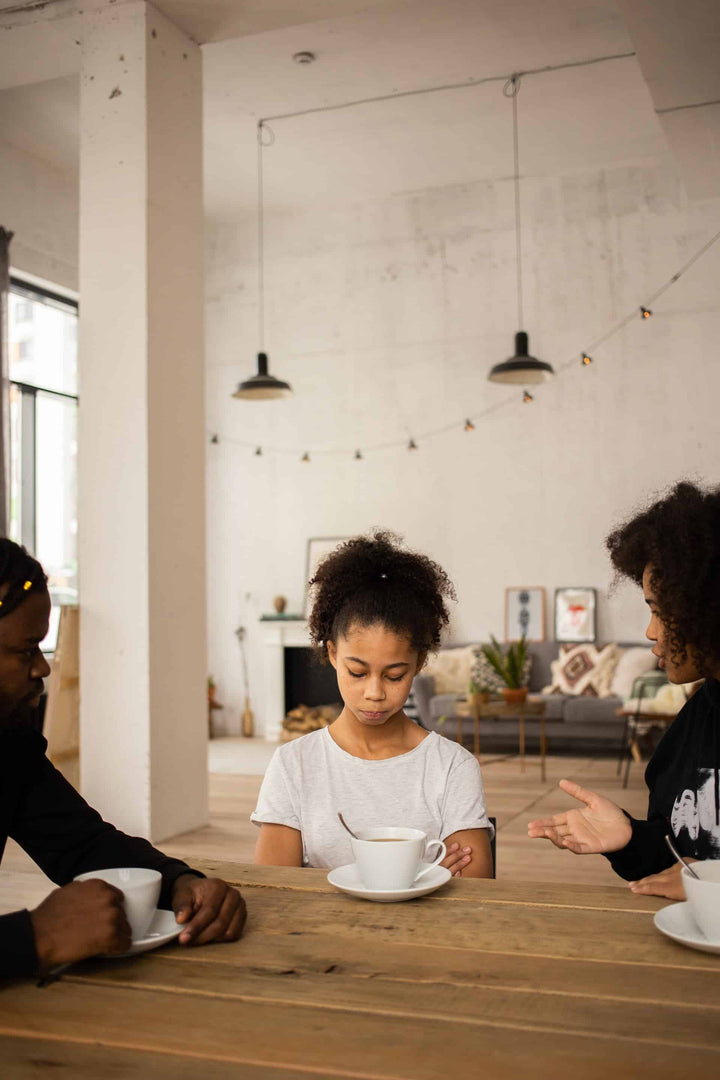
<point>682,776</point>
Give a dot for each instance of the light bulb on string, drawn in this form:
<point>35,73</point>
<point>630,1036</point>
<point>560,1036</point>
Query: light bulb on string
<point>412,445</point>
<point>527,398</point>
<point>469,426</point>
<point>305,457</point>
<point>586,360</point>
<point>358,455</point>
<point>645,312</point>
<point>214,440</point>
<point>258,451</point>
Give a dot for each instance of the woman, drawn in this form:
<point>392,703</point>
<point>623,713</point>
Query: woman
<point>378,610</point>
<point>673,551</point>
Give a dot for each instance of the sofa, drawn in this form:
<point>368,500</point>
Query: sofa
<point>573,722</point>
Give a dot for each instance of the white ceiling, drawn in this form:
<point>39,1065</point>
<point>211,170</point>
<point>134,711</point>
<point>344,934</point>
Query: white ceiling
<point>581,117</point>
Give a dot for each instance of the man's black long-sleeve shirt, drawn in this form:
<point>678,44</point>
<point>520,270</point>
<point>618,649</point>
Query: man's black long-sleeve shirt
<point>682,776</point>
<point>62,834</point>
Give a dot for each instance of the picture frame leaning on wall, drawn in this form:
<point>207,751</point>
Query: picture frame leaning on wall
<point>317,548</point>
<point>575,614</point>
<point>525,612</point>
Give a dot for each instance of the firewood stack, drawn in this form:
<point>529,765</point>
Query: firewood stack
<point>301,720</point>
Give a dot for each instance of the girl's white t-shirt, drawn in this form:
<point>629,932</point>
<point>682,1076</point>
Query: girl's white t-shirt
<point>436,787</point>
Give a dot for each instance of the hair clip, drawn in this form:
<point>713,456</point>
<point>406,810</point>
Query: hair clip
<point>27,585</point>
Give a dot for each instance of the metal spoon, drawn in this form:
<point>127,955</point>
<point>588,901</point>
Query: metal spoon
<point>346,826</point>
<point>677,855</point>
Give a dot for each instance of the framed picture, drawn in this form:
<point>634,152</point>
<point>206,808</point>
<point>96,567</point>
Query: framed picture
<point>317,548</point>
<point>575,614</point>
<point>525,612</point>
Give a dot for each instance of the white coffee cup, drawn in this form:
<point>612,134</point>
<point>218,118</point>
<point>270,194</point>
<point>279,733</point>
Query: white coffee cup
<point>393,858</point>
<point>704,896</point>
<point>141,891</point>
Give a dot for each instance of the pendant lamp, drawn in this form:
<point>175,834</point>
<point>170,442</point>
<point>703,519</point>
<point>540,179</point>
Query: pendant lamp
<point>521,367</point>
<point>263,385</point>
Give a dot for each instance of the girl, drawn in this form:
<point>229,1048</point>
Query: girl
<point>672,550</point>
<point>378,610</point>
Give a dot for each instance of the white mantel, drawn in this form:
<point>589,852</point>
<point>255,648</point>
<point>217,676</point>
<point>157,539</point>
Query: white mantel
<point>278,635</point>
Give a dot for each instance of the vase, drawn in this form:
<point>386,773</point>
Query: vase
<point>514,695</point>
<point>280,603</point>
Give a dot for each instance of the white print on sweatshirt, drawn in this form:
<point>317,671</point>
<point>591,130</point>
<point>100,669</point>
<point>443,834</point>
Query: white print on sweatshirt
<point>697,813</point>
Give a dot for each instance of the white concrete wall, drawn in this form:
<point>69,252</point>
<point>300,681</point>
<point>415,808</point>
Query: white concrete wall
<point>39,203</point>
<point>386,317</point>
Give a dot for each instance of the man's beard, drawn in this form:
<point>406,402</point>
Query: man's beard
<point>22,717</point>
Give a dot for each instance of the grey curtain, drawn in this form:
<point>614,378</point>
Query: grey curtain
<point>5,238</point>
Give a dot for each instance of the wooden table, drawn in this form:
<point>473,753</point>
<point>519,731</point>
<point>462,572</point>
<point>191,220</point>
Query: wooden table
<point>482,979</point>
<point>530,709</point>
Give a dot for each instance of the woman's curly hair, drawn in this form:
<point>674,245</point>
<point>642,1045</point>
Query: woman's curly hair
<point>371,581</point>
<point>678,537</point>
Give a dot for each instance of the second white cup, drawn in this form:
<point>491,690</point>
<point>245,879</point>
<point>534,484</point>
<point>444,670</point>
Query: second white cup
<point>393,858</point>
<point>704,896</point>
<point>140,888</point>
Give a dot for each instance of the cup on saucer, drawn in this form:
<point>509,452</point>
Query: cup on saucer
<point>393,858</point>
<point>141,891</point>
<point>704,896</point>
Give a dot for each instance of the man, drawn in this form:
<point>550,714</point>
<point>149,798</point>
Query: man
<point>66,837</point>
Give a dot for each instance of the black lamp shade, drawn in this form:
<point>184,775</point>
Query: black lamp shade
<point>521,368</point>
<point>262,386</point>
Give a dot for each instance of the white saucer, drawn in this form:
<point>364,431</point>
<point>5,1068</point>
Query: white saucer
<point>676,922</point>
<point>162,929</point>
<point>347,879</point>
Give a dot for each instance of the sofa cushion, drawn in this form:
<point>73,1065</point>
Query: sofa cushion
<point>442,705</point>
<point>631,664</point>
<point>585,709</point>
<point>484,674</point>
<point>451,669</point>
<point>583,670</point>
<point>555,706</point>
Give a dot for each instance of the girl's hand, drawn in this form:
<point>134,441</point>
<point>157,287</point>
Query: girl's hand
<point>599,827</point>
<point>668,883</point>
<point>456,859</point>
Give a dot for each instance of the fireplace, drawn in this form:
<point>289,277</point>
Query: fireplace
<point>292,675</point>
<point>307,682</point>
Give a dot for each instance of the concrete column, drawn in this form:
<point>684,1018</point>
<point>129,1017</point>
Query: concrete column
<point>141,434</point>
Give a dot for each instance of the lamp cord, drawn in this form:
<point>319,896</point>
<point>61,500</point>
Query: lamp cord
<point>261,239</point>
<point>511,89</point>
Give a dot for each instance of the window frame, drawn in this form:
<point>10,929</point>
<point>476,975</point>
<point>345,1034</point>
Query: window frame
<point>28,407</point>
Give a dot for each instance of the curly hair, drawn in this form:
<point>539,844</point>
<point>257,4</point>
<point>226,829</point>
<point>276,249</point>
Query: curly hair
<point>371,581</point>
<point>678,537</point>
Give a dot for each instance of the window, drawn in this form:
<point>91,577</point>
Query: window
<point>42,332</point>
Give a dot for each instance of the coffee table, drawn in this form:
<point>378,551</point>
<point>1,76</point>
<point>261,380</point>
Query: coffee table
<point>530,709</point>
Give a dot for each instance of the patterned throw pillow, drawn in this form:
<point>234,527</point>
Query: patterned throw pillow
<point>584,670</point>
<point>484,674</point>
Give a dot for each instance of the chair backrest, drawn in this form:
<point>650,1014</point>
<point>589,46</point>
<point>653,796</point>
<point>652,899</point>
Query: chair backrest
<point>493,822</point>
<point>647,685</point>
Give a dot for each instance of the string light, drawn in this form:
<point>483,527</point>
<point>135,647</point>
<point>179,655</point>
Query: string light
<point>469,426</point>
<point>358,455</point>
<point>586,359</point>
<point>258,451</point>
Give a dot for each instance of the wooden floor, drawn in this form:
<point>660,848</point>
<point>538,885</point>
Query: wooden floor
<point>512,797</point>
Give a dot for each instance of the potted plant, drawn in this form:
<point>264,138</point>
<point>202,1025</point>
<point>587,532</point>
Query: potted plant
<point>509,666</point>
<point>478,692</point>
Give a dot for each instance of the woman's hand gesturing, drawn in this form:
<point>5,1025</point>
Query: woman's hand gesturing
<point>599,827</point>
